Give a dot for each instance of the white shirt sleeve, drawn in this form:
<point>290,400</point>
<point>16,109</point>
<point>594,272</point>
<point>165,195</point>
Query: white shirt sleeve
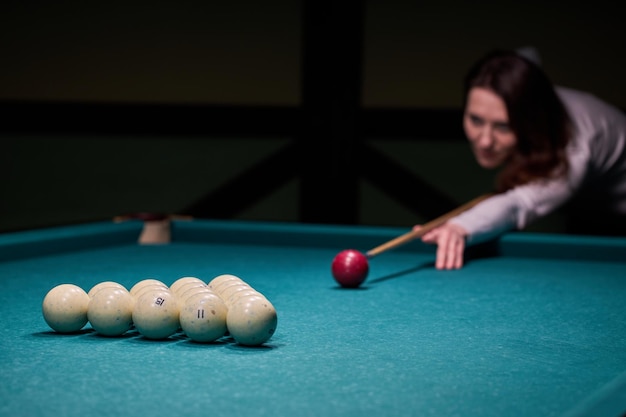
<point>514,209</point>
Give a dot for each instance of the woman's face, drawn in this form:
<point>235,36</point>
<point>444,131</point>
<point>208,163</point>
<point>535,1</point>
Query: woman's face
<point>486,124</point>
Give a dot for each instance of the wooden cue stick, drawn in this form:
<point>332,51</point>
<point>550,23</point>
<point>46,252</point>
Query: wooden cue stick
<point>414,234</point>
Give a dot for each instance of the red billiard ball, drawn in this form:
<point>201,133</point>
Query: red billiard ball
<point>350,268</point>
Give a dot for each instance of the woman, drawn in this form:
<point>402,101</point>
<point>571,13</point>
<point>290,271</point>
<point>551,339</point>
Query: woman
<point>551,146</point>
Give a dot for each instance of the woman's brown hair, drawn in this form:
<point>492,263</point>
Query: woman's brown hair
<point>536,115</point>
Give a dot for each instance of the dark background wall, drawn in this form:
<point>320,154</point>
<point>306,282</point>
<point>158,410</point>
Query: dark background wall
<point>155,77</point>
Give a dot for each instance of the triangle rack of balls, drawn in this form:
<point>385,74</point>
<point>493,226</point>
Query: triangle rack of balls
<point>226,306</point>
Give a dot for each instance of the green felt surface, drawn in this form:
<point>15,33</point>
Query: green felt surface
<point>527,333</point>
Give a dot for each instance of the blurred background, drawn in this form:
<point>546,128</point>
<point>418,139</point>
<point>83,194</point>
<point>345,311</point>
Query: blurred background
<point>295,111</point>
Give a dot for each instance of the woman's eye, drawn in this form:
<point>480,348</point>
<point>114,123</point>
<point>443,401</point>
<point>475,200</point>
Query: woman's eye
<point>476,121</point>
<point>502,127</point>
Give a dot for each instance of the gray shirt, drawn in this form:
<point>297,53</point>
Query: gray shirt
<point>597,159</point>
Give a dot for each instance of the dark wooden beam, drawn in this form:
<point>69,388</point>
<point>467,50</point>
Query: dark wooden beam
<point>149,119</point>
<point>403,186</point>
<point>332,49</point>
<point>249,187</point>
<point>214,120</point>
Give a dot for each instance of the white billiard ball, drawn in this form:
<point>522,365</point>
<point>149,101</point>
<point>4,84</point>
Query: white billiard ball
<point>203,317</point>
<point>65,308</point>
<point>252,320</point>
<point>224,279</point>
<point>180,289</point>
<point>144,283</point>
<point>227,292</point>
<point>147,288</point>
<point>104,284</point>
<point>236,295</point>
<point>227,286</point>
<point>188,292</point>
<point>183,281</point>
<point>156,314</point>
<point>110,311</point>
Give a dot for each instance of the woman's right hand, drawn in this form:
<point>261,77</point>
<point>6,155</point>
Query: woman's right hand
<point>450,241</point>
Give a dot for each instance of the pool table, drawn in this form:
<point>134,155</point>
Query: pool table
<point>532,325</point>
